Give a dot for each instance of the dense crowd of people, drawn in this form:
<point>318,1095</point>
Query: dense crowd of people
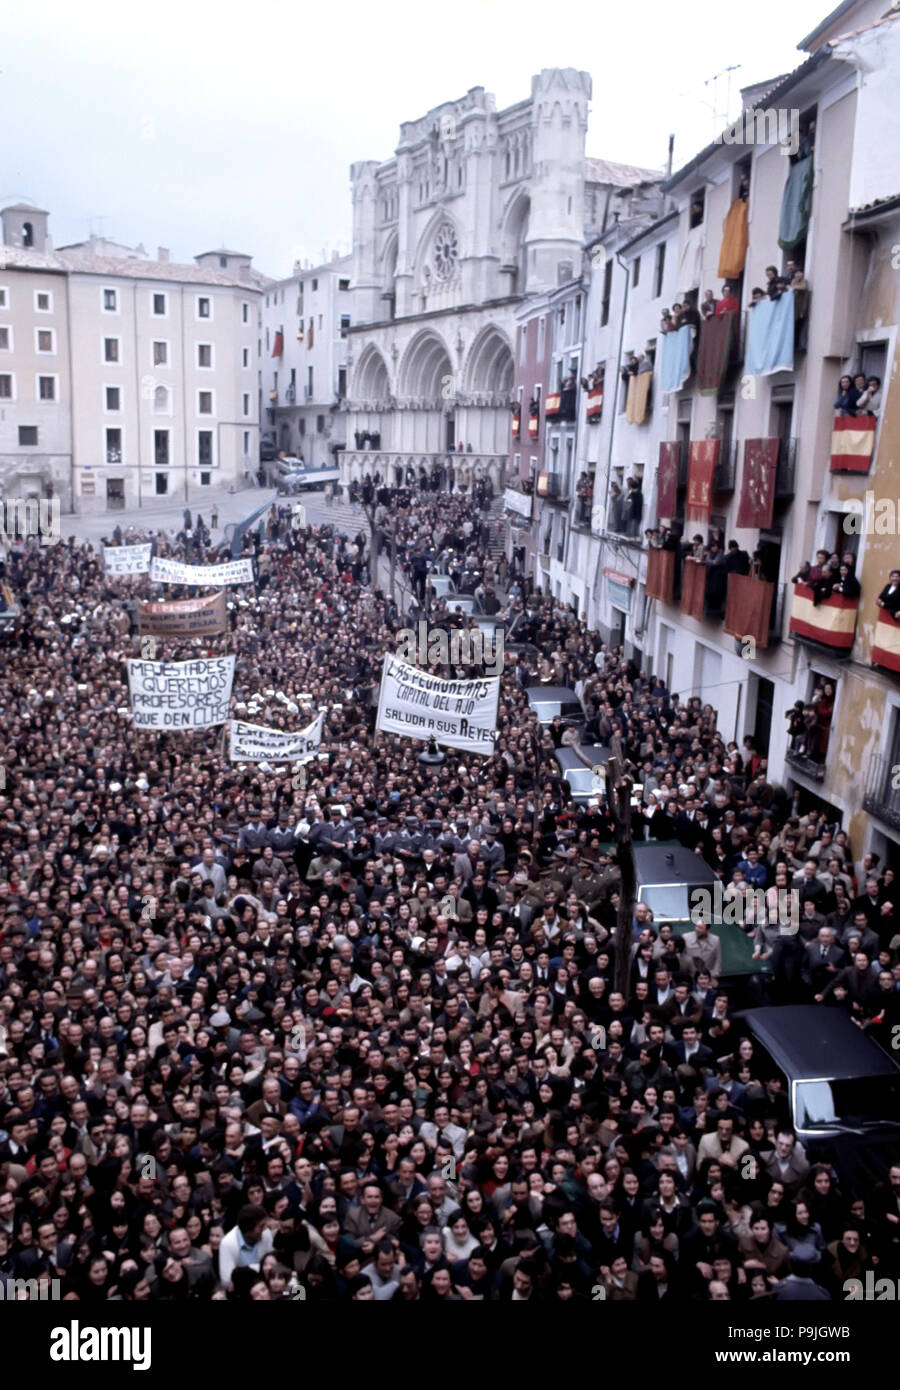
<point>350,1032</point>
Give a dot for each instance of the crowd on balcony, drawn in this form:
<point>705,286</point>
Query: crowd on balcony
<point>809,724</point>
<point>829,574</point>
<point>367,439</point>
<point>594,381</point>
<point>626,507</point>
<point>858,395</point>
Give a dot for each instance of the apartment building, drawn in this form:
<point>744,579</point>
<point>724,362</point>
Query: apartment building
<point>304,323</point>
<point>533,337</point>
<point>141,374</point>
<point>734,434</point>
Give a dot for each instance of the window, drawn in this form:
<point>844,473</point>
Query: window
<point>6,340</point>
<point>28,436</point>
<point>320,424</point>
<point>204,448</point>
<point>309,382</point>
<point>315,284</point>
<point>4,297</point>
<point>43,302</point>
<point>113,398</point>
<point>636,273</point>
<point>607,294</point>
<point>159,304</point>
<point>697,208</point>
<point>161,447</point>
<point>659,269</point>
<point>113,446</point>
<point>203,308</point>
<point>345,324</point>
<point>342,382</point>
<point>343,285</point>
<point>45,339</point>
<point>204,354</point>
<point>205,479</point>
<point>245,357</point>
<point>110,301</point>
<point>246,402</point>
<point>246,439</point>
<point>161,400</point>
<point>162,484</point>
<point>47,388</point>
<point>204,402</point>
<point>160,354</point>
<point>223,262</point>
<point>110,349</point>
<point>6,386</point>
<point>245,313</point>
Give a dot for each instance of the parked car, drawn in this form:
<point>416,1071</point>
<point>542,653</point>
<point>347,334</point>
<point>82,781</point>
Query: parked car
<point>548,701</point>
<point>843,1090</point>
<point>587,787</point>
<point>467,604</point>
<point>442,585</point>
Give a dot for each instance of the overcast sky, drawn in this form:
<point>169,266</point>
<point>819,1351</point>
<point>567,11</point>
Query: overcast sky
<point>195,125</point>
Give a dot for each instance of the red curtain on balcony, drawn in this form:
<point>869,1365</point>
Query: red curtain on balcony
<point>661,574</point>
<point>748,608</point>
<point>831,622</point>
<point>886,646</point>
<point>667,480</point>
<point>693,588</point>
<point>735,239</point>
<point>278,345</point>
<point>758,483</point>
<point>853,443</point>
<point>703,457</point>
<point>717,340</point>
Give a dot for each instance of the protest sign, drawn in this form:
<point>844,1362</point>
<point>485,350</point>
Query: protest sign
<point>174,572</point>
<point>190,617</point>
<point>127,559</point>
<point>459,714</point>
<point>180,694</point>
<point>254,743</point>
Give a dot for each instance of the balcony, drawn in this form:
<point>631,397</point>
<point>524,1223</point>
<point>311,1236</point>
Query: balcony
<point>881,798</point>
<point>813,770</point>
<point>785,469</point>
<point>273,396</point>
<point>660,581</point>
<point>684,460</point>
<point>886,643</point>
<point>290,394</point>
<point>356,463</point>
<point>853,443</point>
<point>754,609</point>
<point>584,505</point>
<point>829,624</point>
<point>551,487</point>
<point>561,406</point>
<point>517,502</point>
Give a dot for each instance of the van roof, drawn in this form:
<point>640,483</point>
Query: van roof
<point>808,1041</point>
<point>666,861</point>
<point>567,758</point>
<point>551,695</point>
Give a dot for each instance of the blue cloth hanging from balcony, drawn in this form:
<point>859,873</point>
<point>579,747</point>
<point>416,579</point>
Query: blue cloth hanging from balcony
<point>675,358</point>
<point>770,336</point>
<point>796,202</point>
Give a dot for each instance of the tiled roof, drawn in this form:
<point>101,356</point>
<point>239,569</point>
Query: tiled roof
<point>119,267</point>
<point>620,175</point>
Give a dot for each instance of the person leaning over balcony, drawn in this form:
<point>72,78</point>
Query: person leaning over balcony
<point>847,397</point>
<point>869,402</point>
<point>889,598</point>
<point>708,304</point>
<point>756,294</point>
<point>727,304</point>
<point>847,583</point>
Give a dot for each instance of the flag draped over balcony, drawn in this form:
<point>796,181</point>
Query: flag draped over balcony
<point>733,252</point>
<point>886,646</point>
<point>770,336</point>
<point>637,398</point>
<point>660,582</point>
<point>667,480</point>
<point>703,457</point>
<point>758,483</point>
<point>852,443</point>
<point>595,403</point>
<point>796,202</point>
<point>717,343</point>
<point>693,589</point>
<point>551,405</point>
<point>748,608</point>
<point>278,345</point>
<point>675,358</point>
<point>832,622</point>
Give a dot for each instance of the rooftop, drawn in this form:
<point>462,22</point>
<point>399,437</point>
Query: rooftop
<point>619,175</point>
<point>81,262</point>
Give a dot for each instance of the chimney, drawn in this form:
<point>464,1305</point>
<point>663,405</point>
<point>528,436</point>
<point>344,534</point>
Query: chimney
<point>162,253</point>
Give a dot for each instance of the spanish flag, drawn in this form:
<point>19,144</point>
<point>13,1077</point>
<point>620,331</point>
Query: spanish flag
<point>831,622</point>
<point>595,403</point>
<point>853,443</point>
<point>886,646</point>
<point>551,409</point>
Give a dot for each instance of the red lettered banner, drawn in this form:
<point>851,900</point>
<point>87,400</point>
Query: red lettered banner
<point>667,483</point>
<point>758,483</point>
<point>852,443</point>
<point>703,457</point>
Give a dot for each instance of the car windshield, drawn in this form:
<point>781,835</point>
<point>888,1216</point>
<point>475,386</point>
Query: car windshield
<point>863,1100</point>
<point>667,901</point>
<point>583,782</point>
